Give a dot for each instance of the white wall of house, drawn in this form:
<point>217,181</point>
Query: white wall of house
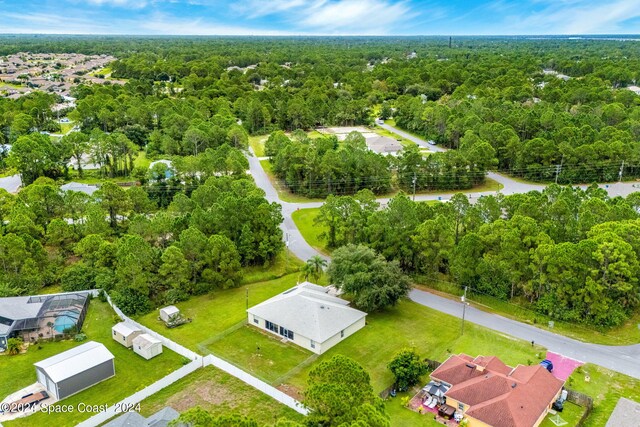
<point>306,342</point>
<point>355,327</point>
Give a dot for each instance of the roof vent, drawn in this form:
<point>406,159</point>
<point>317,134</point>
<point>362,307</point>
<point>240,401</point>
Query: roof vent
<point>468,365</point>
<point>513,385</point>
<point>322,306</point>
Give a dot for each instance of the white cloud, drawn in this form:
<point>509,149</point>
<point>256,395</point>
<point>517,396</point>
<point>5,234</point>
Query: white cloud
<point>137,4</point>
<point>257,8</point>
<point>356,16</point>
<point>577,17</point>
<point>173,26</point>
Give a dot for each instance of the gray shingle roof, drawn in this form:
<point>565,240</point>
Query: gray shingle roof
<point>133,419</point>
<point>308,311</point>
<point>74,361</point>
<point>16,308</point>
<point>625,414</point>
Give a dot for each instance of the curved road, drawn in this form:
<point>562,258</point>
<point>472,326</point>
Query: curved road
<point>624,359</point>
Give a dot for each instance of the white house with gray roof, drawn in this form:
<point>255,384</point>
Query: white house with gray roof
<point>162,418</point>
<point>74,370</point>
<point>308,316</point>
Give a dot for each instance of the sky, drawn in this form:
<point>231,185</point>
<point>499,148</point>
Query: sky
<point>321,17</point>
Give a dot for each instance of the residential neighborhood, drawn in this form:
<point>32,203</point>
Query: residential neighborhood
<point>341,213</point>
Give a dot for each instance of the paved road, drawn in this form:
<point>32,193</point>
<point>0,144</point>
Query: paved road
<point>624,359</point>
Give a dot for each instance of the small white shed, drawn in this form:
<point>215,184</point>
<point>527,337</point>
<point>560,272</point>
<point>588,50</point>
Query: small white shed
<point>147,346</point>
<point>125,333</point>
<point>168,312</point>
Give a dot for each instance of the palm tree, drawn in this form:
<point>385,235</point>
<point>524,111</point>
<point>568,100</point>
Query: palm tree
<point>14,345</point>
<point>315,265</point>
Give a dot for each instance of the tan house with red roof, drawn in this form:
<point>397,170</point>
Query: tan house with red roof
<point>492,394</point>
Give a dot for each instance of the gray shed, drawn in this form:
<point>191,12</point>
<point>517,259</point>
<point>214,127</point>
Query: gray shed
<point>74,370</point>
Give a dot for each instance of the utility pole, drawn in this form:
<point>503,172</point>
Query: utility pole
<point>559,168</point>
<point>414,186</point>
<point>621,170</point>
<point>464,309</point>
<point>247,298</point>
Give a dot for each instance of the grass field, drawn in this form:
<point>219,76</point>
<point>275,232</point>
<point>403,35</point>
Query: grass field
<point>304,220</point>
<point>66,127</point>
<point>257,143</point>
<point>220,394</point>
<point>141,160</point>
<point>217,311</point>
<point>259,353</point>
<point>133,373</point>
<point>605,387</point>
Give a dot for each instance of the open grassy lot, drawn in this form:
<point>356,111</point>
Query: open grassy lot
<point>605,387</point>
<point>285,263</point>
<point>216,312</point>
<point>304,220</point>
<point>66,127</point>
<point>218,393</point>
<point>259,353</point>
<point>133,372</point>
<point>433,334</point>
<point>257,143</point>
<point>141,160</point>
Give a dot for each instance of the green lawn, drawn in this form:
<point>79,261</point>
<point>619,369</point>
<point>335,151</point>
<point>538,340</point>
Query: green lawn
<point>402,416</point>
<point>217,311</point>
<point>304,220</point>
<point>133,373</point>
<point>259,353</point>
<point>257,143</point>
<point>141,160</point>
<point>220,394</point>
<point>284,263</point>
<point>433,334</point>
<point>605,387</point>
<point>66,127</point>
<point>571,413</point>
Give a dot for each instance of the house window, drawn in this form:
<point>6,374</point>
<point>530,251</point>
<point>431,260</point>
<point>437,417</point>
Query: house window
<point>313,344</point>
<point>460,406</point>
<point>286,333</point>
<point>271,326</point>
<point>341,334</point>
<point>123,338</point>
<point>114,333</point>
<point>255,320</point>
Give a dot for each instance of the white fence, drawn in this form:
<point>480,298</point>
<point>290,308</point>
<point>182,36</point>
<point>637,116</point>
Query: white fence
<point>135,398</point>
<point>254,382</point>
<point>197,362</point>
<point>181,350</point>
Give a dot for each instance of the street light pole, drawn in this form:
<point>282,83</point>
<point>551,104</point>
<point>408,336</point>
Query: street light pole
<point>464,309</point>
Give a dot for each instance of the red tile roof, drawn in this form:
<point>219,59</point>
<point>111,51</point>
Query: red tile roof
<point>497,394</point>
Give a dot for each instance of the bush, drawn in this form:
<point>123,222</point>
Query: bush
<point>407,367</point>
<point>131,302</point>
<point>77,277</point>
<point>80,337</point>
<point>173,296</point>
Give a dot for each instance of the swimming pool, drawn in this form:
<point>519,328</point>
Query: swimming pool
<point>65,320</point>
